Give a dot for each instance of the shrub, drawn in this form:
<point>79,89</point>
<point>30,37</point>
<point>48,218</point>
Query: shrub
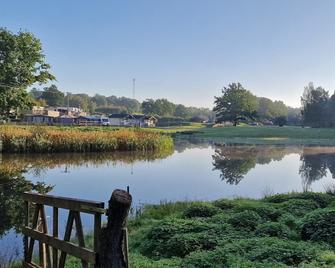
<point>266,211</point>
<point>319,225</point>
<point>201,210</point>
<point>245,220</point>
<point>139,261</point>
<point>299,207</point>
<point>275,229</point>
<point>321,199</point>
<point>289,220</point>
<point>158,237</point>
<point>224,204</point>
<point>273,249</point>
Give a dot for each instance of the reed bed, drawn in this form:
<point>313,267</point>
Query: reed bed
<point>46,139</point>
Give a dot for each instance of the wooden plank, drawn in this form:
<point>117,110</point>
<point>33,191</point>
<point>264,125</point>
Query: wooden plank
<point>55,234</point>
<point>64,246</point>
<point>96,235</point>
<point>26,223</point>
<point>34,226</point>
<point>46,248</point>
<point>67,237</point>
<point>64,202</point>
<point>30,265</point>
<point>126,246</point>
<point>80,234</point>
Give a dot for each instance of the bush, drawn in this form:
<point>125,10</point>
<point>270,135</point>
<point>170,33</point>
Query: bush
<point>299,207</point>
<point>160,238</point>
<point>274,229</point>
<point>201,210</point>
<point>289,220</point>
<point>224,204</point>
<point>321,199</point>
<point>265,211</point>
<point>245,220</point>
<point>275,250</point>
<point>319,225</point>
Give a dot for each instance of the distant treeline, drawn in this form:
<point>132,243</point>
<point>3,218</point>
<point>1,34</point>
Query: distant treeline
<point>52,96</point>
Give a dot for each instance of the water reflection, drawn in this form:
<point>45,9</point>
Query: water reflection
<point>315,164</point>
<point>235,161</point>
<point>12,185</point>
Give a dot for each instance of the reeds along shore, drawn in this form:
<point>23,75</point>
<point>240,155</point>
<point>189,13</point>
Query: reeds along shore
<point>46,139</point>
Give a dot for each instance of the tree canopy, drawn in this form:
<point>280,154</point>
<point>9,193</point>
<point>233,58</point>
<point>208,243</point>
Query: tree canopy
<point>235,104</point>
<point>22,63</point>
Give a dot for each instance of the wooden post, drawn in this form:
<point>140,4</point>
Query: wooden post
<point>112,236</point>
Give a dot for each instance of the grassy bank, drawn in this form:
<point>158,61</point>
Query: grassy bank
<point>41,139</point>
<point>287,230</point>
<point>260,135</point>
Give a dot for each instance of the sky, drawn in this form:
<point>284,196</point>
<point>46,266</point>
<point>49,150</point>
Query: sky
<point>182,50</point>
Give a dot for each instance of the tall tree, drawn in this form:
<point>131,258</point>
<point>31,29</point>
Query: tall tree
<point>314,106</point>
<point>22,63</point>
<point>53,96</point>
<point>235,104</point>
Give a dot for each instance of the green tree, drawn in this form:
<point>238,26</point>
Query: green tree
<point>314,106</point>
<point>235,104</point>
<point>53,96</point>
<point>22,63</point>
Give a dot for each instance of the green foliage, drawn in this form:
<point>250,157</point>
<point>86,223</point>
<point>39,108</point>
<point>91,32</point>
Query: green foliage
<point>299,207</point>
<point>319,225</point>
<point>235,104</point>
<point>289,220</point>
<point>275,250</point>
<point>321,199</point>
<point>315,106</point>
<point>245,233</point>
<point>265,210</point>
<point>140,261</point>
<point>21,65</point>
<point>274,229</point>
<point>203,210</point>
<point>245,220</point>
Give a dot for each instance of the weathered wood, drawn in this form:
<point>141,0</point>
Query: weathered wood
<point>34,226</point>
<point>112,253</point>
<point>67,237</point>
<point>80,234</point>
<point>26,223</point>
<point>46,248</point>
<point>55,235</point>
<point>65,246</point>
<point>97,233</point>
<point>126,246</point>
<point>64,202</point>
<point>30,265</point>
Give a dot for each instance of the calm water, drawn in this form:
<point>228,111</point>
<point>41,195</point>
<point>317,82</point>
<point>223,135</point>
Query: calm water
<point>195,170</point>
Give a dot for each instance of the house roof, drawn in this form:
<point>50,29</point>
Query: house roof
<point>118,115</point>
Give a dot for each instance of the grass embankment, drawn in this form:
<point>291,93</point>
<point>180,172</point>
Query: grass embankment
<point>286,230</point>
<point>42,139</point>
<point>260,135</point>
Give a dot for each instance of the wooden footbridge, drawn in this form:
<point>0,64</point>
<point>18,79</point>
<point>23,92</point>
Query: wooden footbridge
<point>110,243</point>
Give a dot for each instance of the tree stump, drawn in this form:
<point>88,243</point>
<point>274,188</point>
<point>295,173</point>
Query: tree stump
<point>112,236</point>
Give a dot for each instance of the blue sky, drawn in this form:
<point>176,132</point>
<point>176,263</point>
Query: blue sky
<point>183,50</point>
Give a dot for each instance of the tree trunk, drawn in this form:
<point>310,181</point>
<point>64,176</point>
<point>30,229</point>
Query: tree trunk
<point>112,240</point>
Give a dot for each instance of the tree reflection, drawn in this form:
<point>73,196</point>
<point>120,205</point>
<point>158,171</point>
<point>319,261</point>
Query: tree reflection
<point>235,161</point>
<point>12,185</point>
<point>315,164</point>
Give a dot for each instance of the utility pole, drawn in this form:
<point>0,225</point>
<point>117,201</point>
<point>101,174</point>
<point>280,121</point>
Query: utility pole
<point>134,81</point>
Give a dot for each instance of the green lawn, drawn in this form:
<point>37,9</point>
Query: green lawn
<point>263,135</point>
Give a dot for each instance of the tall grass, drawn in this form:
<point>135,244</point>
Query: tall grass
<point>41,139</point>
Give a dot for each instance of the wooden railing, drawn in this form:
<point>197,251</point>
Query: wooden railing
<point>53,250</point>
